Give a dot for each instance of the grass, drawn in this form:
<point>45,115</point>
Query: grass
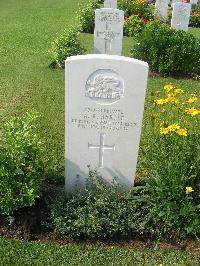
<point>21,253</point>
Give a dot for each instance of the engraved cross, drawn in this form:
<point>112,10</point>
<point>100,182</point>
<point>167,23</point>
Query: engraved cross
<point>108,35</point>
<point>101,148</point>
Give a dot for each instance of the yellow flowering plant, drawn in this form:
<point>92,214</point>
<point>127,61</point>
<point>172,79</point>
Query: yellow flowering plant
<point>171,154</point>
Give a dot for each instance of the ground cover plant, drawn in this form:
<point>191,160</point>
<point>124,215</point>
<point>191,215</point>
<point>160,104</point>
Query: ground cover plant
<point>27,29</point>
<point>100,211</point>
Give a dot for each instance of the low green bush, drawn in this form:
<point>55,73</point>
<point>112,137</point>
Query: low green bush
<point>168,51</point>
<point>164,207</point>
<point>21,164</point>
<point>101,211</point>
<point>86,16</point>
<point>67,44</point>
<point>133,25</point>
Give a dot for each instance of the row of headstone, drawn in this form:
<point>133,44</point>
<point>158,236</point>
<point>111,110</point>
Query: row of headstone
<point>180,15</point>
<point>104,106</point>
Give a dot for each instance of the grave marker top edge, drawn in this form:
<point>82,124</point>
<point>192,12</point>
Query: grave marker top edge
<point>107,57</point>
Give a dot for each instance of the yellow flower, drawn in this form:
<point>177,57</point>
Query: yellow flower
<point>182,132</point>
<point>173,127</point>
<point>172,100</point>
<point>192,111</point>
<point>189,190</point>
<point>164,131</point>
<point>171,95</point>
<point>177,91</point>
<point>160,101</point>
<point>192,99</point>
<point>168,87</point>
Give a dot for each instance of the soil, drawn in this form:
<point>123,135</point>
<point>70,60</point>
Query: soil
<point>32,224</point>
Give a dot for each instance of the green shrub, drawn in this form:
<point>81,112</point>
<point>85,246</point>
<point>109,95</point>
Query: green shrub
<point>101,212</point>
<point>86,16</point>
<point>67,44</point>
<point>168,51</point>
<point>21,165</point>
<point>133,25</point>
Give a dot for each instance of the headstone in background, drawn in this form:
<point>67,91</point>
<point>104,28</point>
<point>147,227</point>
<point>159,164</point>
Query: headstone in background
<point>180,16</point>
<point>162,9</point>
<point>193,2</point>
<point>110,3</point>
<point>104,98</point>
<point>108,34</point>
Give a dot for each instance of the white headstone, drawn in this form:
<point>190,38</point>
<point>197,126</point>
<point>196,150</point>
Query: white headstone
<point>180,16</point>
<point>162,9</point>
<point>104,98</point>
<point>110,3</point>
<point>193,2</point>
<point>108,32</point>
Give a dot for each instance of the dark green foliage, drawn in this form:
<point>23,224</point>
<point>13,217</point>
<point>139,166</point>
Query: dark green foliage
<point>21,165</point>
<point>168,51</point>
<point>67,44</point>
<point>133,25</point>
<point>86,16</point>
<point>102,211</point>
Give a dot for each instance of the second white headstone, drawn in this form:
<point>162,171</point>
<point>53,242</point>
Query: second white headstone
<point>108,34</point>
<point>180,16</point>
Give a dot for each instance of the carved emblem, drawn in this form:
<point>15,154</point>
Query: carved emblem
<point>105,87</point>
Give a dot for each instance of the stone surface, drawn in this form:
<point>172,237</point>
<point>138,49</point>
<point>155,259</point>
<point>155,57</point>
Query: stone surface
<point>177,1</point>
<point>180,16</point>
<point>110,3</point>
<point>193,2</point>
<point>162,9</point>
<point>104,99</point>
<point>108,32</point>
